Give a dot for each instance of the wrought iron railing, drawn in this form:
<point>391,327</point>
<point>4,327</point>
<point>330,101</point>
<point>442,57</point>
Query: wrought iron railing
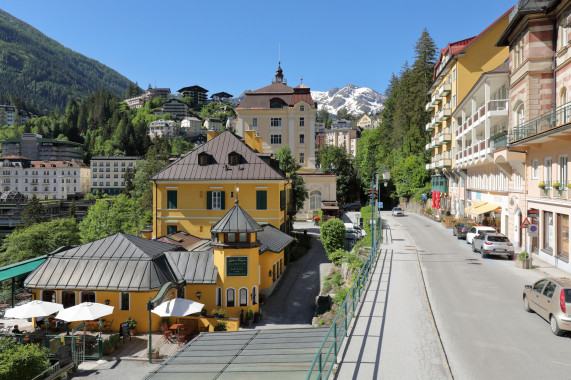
<point>93,345</point>
<point>553,118</point>
<point>326,356</point>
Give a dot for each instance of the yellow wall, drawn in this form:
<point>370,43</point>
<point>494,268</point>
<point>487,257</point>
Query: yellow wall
<point>191,215</point>
<point>253,141</point>
<point>267,261</point>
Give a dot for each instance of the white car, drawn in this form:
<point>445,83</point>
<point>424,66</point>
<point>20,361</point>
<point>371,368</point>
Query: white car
<point>353,232</point>
<point>397,211</point>
<point>475,230</point>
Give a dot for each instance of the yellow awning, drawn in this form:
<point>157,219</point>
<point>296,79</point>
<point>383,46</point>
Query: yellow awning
<point>484,209</point>
<point>477,204</point>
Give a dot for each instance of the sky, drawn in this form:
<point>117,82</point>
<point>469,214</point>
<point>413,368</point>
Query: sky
<point>234,46</point>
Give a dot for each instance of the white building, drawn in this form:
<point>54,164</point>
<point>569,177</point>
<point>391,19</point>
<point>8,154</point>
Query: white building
<point>45,179</point>
<point>213,124</point>
<point>190,125</point>
<point>161,127</point>
<point>108,172</point>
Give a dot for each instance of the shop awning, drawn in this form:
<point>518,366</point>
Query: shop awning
<point>475,205</point>
<point>487,207</point>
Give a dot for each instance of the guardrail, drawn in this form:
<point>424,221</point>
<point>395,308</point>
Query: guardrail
<point>93,344</point>
<point>553,118</point>
<point>326,356</point>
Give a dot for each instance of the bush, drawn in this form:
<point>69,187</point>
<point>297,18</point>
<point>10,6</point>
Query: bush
<point>337,256</point>
<point>333,235</point>
<point>327,286</point>
<point>21,361</point>
<point>340,296</point>
<point>337,279</point>
<point>221,326</point>
<point>132,323</point>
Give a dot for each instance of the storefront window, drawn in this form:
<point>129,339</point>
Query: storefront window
<point>548,235</point>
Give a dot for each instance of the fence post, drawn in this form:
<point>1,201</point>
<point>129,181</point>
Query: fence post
<point>345,320</point>
<point>320,366</point>
<point>335,341</point>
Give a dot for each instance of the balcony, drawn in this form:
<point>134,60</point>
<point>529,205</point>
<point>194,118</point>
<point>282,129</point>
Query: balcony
<point>429,147</point>
<point>436,122</point>
<point>497,107</point>
<point>549,120</point>
<point>436,99</point>
<point>444,114</point>
<point>436,141</point>
<point>429,107</point>
<point>445,138</point>
<point>444,90</point>
<point>429,127</point>
<point>445,163</point>
<point>427,166</point>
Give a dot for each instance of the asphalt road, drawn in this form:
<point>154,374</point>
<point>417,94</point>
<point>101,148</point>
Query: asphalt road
<point>477,306</point>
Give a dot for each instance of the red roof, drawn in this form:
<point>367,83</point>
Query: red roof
<point>180,238</point>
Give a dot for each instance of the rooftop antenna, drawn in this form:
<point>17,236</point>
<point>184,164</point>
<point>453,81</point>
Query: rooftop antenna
<point>301,79</point>
<point>279,53</point>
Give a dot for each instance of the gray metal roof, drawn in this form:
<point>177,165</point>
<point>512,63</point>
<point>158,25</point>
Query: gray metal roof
<point>196,267</point>
<point>252,167</point>
<point>236,220</point>
<point>248,354</point>
<point>117,262</point>
<point>273,239</point>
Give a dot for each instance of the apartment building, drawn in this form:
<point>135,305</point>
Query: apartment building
<point>174,107</point>
<point>540,124</point>
<point>213,124</point>
<point>44,179</point>
<point>190,125</point>
<point>162,127</point>
<point>196,93</point>
<point>281,115</point>
<point>342,137</point>
<point>36,147</point>
<point>7,115</point>
<point>459,66</point>
<point>365,122</point>
<point>108,172</point>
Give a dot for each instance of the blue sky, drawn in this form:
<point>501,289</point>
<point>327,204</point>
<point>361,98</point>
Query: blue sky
<point>233,45</point>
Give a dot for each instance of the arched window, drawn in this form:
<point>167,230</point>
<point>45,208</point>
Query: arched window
<point>230,297</point>
<point>254,295</point>
<point>520,114</point>
<point>565,116</point>
<point>315,200</point>
<point>243,296</point>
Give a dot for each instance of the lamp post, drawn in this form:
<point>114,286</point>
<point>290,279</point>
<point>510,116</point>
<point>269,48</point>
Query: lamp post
<point>386,176</point>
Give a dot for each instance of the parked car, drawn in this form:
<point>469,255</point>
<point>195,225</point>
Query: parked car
<point>461,229</point>
<point>351,206</point>
<point>493,243</point>
<point>550,298</point>
<point>354,232</point>
<point>475,230</point>
<point>397,211</point>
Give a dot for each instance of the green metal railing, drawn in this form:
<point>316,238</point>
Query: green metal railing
<point>326,356</point>
<point>93,344</point>
<point>553,118</point>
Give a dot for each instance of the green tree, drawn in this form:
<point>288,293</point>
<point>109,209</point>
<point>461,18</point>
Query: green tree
<point>333,235</point>
<point>289,166</point>
<point>343,113</point>
<point>157,159</point>
<point>38,239</point>
<point>179,146</point>
<point>218,110</point>
<point>128,177</point>
<point>21,361</point>
<point>34,212</point>
<point>336,160</point>
<point>113,215</point>
<point>71,212</point>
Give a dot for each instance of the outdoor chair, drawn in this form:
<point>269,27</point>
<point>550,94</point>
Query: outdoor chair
<point>167,334</point>
<point>181,339</point>
<point>107,325</point>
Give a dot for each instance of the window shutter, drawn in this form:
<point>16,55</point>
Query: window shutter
<point>261,200</point>
<point>264,200</point>
<point>222,200</point>
<point>171,199</point>
<point>209,200</point>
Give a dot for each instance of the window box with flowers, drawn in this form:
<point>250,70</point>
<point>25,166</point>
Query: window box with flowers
<point>541,185</point>
<point>558,186</point>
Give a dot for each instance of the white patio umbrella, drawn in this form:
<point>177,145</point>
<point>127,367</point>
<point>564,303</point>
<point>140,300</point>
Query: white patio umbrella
<point>34,309</point>
<point>178,307</point>
<point>86,311</point>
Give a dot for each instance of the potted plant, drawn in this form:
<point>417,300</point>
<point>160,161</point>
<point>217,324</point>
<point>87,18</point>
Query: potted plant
<point>541,185</point>
<point>249,317</point>
<point>569,185</point>
<point>203,312</point>
<point>557,186</point>
<point>221,326</point>
<point>132,323</point>
<point>155,352</point>
<point>523,260</point>
<point>218,313</point>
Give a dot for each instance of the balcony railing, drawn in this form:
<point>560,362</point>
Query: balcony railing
<point>444,114</point>
<point>429,126</point>
<point>497,105</point>
<point>444,90</point>
<point>445,163</point>
<point>551,119</point>
<point>436,99</point>
<point>445,138</point>
<point>429,107</point>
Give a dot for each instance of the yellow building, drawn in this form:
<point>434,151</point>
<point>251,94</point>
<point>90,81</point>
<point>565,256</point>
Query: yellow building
<point>195,191</point>
<point>459,66</point>
<point>281,115</point>
<point>365,122</point>
<point>228,271</point>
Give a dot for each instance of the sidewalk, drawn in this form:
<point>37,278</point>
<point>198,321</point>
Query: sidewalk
<point>393,335</point>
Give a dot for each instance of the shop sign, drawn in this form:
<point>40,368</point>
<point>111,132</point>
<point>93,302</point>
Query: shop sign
<point>237,266</point>
<point>532,213</point>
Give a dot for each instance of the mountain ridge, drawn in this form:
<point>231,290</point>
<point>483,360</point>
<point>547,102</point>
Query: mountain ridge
<point>356,99</point>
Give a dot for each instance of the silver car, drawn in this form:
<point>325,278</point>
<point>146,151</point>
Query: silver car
<point>551,299</point>
<point>397,211</point>
<point>492,243</point>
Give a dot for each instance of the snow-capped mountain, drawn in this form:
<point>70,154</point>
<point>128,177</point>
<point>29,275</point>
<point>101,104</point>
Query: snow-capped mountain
<point>356,99</point>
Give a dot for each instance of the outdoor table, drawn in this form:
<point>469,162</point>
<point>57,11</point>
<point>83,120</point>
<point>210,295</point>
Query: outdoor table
<point>176,327</point>
<point>92,325</point>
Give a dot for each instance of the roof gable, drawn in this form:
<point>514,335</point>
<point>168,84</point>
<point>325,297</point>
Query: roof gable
<point>236,221</point>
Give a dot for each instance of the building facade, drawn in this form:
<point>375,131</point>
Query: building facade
<point>35,147</point>
<point>365,122</point>
<point>108,173</point>
<point>342,137</point>
<point>44,179</point>
<point>190,125</point>
<point>213,124</point>
<point>539,124</point>
<point>196,93</point>
<point>164,128</point>
<point>174,107</point>
<point>459,66</point>
<point>281,115</point>
<point>7,115</point>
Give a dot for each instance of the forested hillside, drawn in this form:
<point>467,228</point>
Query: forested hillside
<point>44,73</point>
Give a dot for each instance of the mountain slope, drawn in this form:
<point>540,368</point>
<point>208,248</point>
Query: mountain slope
<point>46,74</point>
<point>356,99</point>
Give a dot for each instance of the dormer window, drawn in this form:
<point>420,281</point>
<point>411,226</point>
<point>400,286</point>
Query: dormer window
<point>277,103</point>
<point>301,108</point>
<point>204,159</point>
<point>234,159</point>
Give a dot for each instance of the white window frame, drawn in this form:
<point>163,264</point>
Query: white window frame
<point>121,301</point>
<point>240,296</point>
<point>255,122</point>
<point>302,122</point>
<point>275,122</point>
<point>302,158</point>
<point>534,169</point>
<point>226,298</point>
<point>302,108</point>
<point>563,172</point>
<point>454,75</point>
<point>302,139</point>
<point>548,169</point>
<point>49,290</point>
<point>91,291</point>
<point>275,139</point>
<point>217,200</point>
